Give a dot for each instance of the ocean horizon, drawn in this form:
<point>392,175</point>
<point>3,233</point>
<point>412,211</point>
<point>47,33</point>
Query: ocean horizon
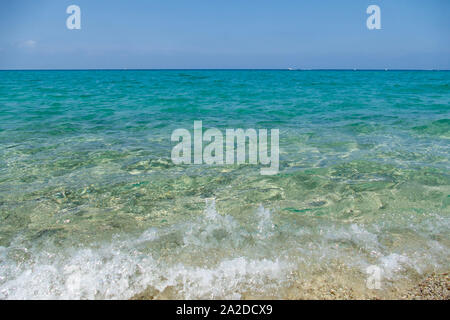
<point>226,69</point>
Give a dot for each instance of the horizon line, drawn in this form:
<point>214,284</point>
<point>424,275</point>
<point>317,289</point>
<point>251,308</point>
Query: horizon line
<point>223,69</point>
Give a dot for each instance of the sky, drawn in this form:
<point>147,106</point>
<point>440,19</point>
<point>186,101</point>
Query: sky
<point>222,34</point>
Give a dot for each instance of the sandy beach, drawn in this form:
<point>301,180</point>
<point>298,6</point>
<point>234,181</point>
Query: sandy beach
<point>435,286</point>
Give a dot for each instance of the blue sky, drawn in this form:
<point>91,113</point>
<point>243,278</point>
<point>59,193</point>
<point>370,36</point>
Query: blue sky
<point>415,34</point>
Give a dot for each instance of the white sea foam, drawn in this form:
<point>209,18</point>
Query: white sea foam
<point>119,273</point>
<point>123,268</point>
<point>210,257</point>
<point>393,264</point>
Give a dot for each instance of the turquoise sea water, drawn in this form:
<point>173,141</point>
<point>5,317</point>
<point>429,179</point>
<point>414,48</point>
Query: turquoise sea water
<point>91,205</point>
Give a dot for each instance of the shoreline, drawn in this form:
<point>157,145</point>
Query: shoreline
<point>433,286</point>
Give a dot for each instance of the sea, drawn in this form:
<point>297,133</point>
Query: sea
<point>93,207</point>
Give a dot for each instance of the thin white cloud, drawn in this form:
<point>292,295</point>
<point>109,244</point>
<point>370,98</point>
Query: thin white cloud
<point>28,44</point>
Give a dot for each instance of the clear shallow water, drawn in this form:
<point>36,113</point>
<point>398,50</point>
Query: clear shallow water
<point>91,205</point>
